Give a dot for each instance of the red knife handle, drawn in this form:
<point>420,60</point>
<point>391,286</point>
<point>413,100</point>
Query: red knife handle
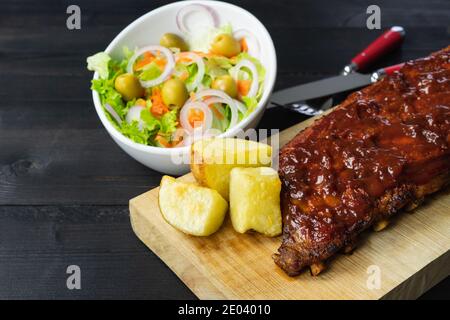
<point>382,45</point>
<point>390,70</point>
<point>380,73</point>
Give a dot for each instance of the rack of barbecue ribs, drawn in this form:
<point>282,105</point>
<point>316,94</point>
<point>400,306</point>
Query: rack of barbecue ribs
<point>382,150</point>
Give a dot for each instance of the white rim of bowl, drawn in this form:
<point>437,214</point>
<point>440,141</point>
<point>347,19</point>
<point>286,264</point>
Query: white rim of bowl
<point>268,87</point>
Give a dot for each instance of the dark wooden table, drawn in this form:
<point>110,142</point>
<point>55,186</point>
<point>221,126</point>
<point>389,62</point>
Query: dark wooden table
<point>65,185</point>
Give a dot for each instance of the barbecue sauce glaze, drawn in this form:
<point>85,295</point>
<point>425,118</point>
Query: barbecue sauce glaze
<point>393,133</point>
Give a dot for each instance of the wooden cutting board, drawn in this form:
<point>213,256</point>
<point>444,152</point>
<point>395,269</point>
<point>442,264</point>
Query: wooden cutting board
<point>409,257</point>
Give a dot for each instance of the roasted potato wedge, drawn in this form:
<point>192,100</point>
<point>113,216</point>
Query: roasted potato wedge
<point>190,208</point>
<point>213,159</point>
<point>255,200</point>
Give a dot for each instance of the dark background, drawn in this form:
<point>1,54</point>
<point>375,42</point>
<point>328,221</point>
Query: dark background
<point>65,185</point>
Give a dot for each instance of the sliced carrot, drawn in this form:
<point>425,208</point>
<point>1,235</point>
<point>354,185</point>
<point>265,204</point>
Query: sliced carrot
<point>158,106</point>
<point>147,58</point>
<point>163,141</point>
<point>244,87</point>
<point>183,60</point>
<point>218,114</point>
<point>195,117</point>
<point>159,109</point>
<point>184,76</point>
<point>183,57</point>
<point>161,62</point>
<point>244,46</point>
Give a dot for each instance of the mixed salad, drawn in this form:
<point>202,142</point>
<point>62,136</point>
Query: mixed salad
<point>164,95</point>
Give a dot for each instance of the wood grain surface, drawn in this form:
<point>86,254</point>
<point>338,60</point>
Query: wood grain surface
<point>65,185</point>
<point>411,255</point>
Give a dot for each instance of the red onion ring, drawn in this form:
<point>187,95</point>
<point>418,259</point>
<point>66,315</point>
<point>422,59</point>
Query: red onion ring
<point>248,64</point>
<point>184,114</point>
<point>201,69</point>
<point>113,113</point>
<point>215,100</point>
<point>241,107</point>
<point>226,99</point>
<point>176,134</point>
<point>181,15</point>
<point>167,70</point>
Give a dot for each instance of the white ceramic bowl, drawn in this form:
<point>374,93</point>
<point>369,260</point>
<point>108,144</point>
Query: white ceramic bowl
<point>147,30</point>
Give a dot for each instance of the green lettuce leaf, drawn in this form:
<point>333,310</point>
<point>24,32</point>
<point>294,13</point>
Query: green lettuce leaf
<point>132,131</point>
<point>169,121</point>
<point>151,123</point>
<point>99,63</point>
<point>105,84</point>
<point>180,69</point>
<point>222,123</point>
<point>207,81</point>
<point>108,94</point>
<point>150,72</point>
<point>127,54</point>
<point>218,61</point>
<point>250,103</point>
<point>216,67</point>
<point>192,69</point>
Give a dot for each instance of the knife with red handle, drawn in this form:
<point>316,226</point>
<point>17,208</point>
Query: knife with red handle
<point>384,44</point>
<point>329,86</point>
<point>387,71</point>
<point>349,79</point>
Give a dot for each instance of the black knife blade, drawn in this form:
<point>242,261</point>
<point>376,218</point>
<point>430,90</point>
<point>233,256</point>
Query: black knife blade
<point>321,88</point>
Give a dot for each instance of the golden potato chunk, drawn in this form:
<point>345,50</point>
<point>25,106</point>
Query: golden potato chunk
<point>255,200</point>
<point>213,159</point>
<point>190,208</point>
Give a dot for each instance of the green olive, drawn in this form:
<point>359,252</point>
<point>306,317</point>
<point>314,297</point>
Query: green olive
<point>174,93</point>
<point>225,45</point>
<point>170,40</point>
<point>227,84</point>
<point>129,87</point>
